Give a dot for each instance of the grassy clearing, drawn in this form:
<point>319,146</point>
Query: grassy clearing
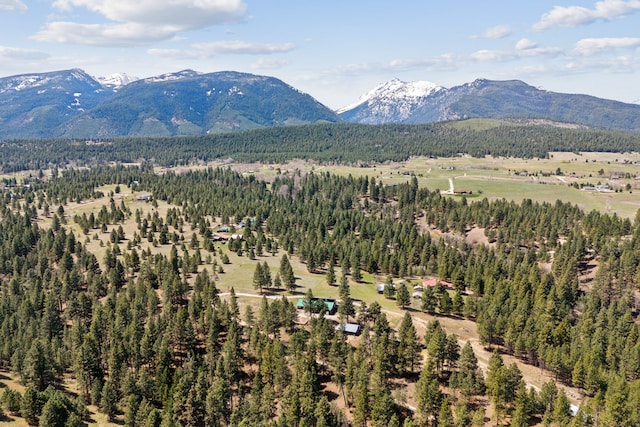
<point>509,178</point>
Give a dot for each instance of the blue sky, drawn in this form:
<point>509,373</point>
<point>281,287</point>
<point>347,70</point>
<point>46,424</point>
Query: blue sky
<point>336,50</point>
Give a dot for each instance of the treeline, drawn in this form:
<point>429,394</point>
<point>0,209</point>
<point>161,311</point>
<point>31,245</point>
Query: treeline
<point>342,143</point>
<point>147,345</point>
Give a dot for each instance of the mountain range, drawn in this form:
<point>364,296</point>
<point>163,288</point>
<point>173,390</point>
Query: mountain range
<point>71,103</point>
<point>425,102</point>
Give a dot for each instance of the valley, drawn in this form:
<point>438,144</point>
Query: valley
<point>229,268</point>
<point>235,213</point>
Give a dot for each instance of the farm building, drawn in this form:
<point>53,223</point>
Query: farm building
<point>432,283</point>
<point>349,328</point>
<point>381,286</point>
<point>330,305</point>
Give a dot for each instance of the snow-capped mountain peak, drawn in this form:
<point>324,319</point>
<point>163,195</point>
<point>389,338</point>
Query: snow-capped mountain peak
<point>167,77</point>
<point>117,80</point>
<point>394,98</point>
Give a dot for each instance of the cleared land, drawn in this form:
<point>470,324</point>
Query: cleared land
<point>562,176</point>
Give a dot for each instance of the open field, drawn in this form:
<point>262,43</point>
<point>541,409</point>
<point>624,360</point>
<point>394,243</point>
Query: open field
<point>560,177</point>
<point>490,177</point>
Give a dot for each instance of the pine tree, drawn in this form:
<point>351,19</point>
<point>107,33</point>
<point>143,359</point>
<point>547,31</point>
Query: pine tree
<point>30,405</point>
<point>524,408</point>
<point>322,413</point>
<point>331,274</point>
<point>562,410</point>
<point>258,282</point>
<point>428,395</point>
<point>266,276</point>
<point>37,368</point>
<point>54,412</point>
<point>286,273</point>
<point>277,282</point>
<point>469,375</point>
<point>495,380</point>
<point>109,401</point>
<point>445,416</point>
<point>457,303</point>
<point>445,305</point>
<point>346,307</point>
<point>382,408</point>
<point>403,298</point>
<point>408,347</point>
<point>429,301</point>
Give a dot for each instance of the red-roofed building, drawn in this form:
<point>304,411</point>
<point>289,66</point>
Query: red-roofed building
<point>431,283</point>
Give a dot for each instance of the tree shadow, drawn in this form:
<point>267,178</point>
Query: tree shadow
<point>330,395</point>
<point>4,418</point>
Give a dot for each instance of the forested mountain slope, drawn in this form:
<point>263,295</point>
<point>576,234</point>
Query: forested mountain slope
<point>400,102</point>
<point>71,103</point>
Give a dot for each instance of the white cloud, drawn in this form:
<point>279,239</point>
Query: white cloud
<point>540,51</point>
<point>14,53</point>
<point>620,64</point>
<point>492,55</point>
<point>525,44</point>
<point>497,32</point>
<point>591,46</point>
<point>524,48</point>
<point>140,21</point>
<point>101,34</point>
<point>183,14</point>
<point>268,64</point>
<point>443,62</point>
<point>529,48</point>
<point>233,47</point>
<point>242,47</point>
<point>12,6</point>
<point>170,53</point>
<point>573,16</point>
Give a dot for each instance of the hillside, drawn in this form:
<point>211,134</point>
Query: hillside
<point>482,98</point>
<point>73,104</point>
<point>188,103</point>
<point>36,105</point>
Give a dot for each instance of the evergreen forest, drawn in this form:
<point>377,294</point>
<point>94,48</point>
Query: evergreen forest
<point>144,334</point>
<point>342,143</point>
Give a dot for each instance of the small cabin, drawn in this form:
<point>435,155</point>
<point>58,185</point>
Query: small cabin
<point>432,283</point>
<point>349,328</point>
<point>330,305</point>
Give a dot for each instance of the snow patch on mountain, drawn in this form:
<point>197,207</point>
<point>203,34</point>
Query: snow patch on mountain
<point>117,80</point>
<point>171,76</point>
<point>19,83</point>
<point>235,90</point>
<point>50,81</point>
<point>394,100</point>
